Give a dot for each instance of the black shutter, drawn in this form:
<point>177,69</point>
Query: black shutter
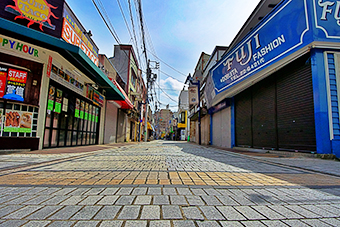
<point>243,119</point>
<point>264,114</point>
<point>295,108</point>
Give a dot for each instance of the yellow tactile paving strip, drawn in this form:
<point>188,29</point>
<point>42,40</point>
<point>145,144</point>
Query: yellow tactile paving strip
<point>141,177</point>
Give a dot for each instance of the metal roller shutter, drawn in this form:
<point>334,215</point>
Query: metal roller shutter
<point>243,119</point>
<point>264,114</point>
<point>295,110</point>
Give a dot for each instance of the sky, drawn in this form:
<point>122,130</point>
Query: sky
<point>176,33</point>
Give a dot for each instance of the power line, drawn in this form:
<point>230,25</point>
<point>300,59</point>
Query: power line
<point>110,27</point>
<point>166,93</point>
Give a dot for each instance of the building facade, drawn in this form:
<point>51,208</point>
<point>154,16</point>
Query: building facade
<point>280,84</point>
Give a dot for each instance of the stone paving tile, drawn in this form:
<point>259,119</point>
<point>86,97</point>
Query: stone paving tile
<point>274,223</point>
<point>23,212</point>
<point>91,200</point>
<point>37,200</point>
<point>211,213</point>
<point>78,191</point>
<point>20,199</point>
<point>227,201</point>
<point>298,223</point>
<point>161,200</point>
<point>135,224</point>
<point>94,191</point>
<point>109,191</point>
<point>243,201</point>
<point>162,223</point>
<point>143,200</point>
<point>198,191</point>
<point>195,200</point>
<point>285,212</point>
<point>169,191</point>
<point>267,212</point>
<point>7,198</point>
<point>36,223</point>
<point>249,213</point>
<point>124,191</point>
<point>108,200</point>
<point>139,191</point>
<point>86,213</point>
<point>33,191</point>
<point>9,209</point>
<point>315,222</point>
<point>253,224</point>
<point>62,223</point>
<point>55,200</point>
<point>230,213</point>
<point>44,212</point>
<point>231,224</point>
<point>151,212</point>
<point>171,212</point>
<point>300,210</point>
<point>73,200</point>
<point>331,221</point>
<point>185,223</point>
<point>178,200</point>
<point>107,213</point>
<point>319,211</point>
<point>64,191</point>
<point>211,200</point>
<point>125,200</point>
<point>13,223</point>
<point>184,191</point>
<point>86,224</point>
<point>129,212</point>
<point>65,213</point>
<point>192,213</point>
<point>111,223</point>
<point>208,224</point>
<point>154,191</point>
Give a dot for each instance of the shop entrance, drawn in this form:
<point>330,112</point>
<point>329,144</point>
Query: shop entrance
<point>71,120</point>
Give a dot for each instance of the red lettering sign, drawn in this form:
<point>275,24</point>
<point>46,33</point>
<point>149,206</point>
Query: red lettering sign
<point>17,76</point>
<point>49,67</point>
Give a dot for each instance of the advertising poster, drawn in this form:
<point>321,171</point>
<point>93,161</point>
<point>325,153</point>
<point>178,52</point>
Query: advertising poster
<point>50,101</point>
<point>16,83</point>
<point>82,107</point>
<point>94,114</point>
<point>3,76</point>
<point>76,113</point>
<point>18,121</point>
<point>58,99</point>
<point>90,112</point>
<point>97,113</point>
<point>86,117</point>
<point>0,120</point>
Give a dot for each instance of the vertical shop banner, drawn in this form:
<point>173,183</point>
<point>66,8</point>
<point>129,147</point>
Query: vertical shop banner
<point>76,112</point>
<point>0,121</point>
<point>82,107</point>
<point>50,101</point>
<point>49,66</point>
<point>58,100</point>
<point>86,117</point>
<point>3,76</point>
<point>18,121</point>
<point>16,83</point>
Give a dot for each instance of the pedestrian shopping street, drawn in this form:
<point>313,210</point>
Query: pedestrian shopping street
<point>167,183</point>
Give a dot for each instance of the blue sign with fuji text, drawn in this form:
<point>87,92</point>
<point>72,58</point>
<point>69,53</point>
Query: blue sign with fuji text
<point>327,18</point>
<point>281,33</point>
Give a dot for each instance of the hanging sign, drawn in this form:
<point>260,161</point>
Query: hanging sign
<point>3,76</point>
<point>16,83</point>
<point>193,95</point>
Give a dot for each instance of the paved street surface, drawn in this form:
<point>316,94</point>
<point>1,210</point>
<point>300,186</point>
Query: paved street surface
<point>167,183</point>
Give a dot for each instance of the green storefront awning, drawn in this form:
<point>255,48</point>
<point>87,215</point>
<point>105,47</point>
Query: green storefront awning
<point>70,52</point>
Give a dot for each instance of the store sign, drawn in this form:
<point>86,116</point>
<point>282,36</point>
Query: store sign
<point>327,17</point>
<point>193,95</point>
<point>19,46</point>
<point>18,121</point>
<point>16,83</point>
<point>35,11</point>
<point>74,36</point>
<point>268,43</point>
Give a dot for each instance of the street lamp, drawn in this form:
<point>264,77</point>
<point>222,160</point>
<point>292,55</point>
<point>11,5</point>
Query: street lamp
<point>191,81</point>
